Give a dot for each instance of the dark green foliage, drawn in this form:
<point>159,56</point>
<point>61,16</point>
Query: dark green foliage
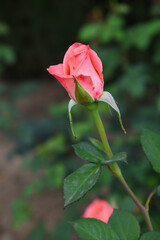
<point>88,152</point>
<point>127,204</point>
<point>35,187</point>
<point>135,79</point>
<point>97,144</point>
<point>21,212</point>
<point>7,115</point>
<point>125,225</point>
<point>158,190</point>
<point>151,146</point>
<point>77,184</point>
<point>60,229</point>
<point>7,54</point>
<point>39,233</point>
<point>151,236</point>
<point>118,157</point>
<point>54,176</point>
<point>24,89</point>
<point>127,39</point>
<point>93,229</point>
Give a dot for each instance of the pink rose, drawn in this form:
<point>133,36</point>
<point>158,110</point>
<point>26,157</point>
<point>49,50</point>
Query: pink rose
<point>81,62</point>
<point>99,209</point>
<point>81,75</point>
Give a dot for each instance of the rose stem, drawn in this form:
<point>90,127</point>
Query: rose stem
<point>115,168</point>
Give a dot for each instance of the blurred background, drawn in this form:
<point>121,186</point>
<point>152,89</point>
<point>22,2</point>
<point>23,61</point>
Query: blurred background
<point>35,139</point>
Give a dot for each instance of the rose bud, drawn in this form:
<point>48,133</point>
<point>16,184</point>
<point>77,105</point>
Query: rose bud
<point>81,75</point>
<point>99,209</point>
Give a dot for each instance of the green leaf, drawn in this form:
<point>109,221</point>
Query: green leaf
<point>151,236</point>
<point>88,152</point>
<point>90,31</point>
<point>158,190</point>
<point>93,229</point>
<point>119,157</point>
<point>77,184</point>
<point>151,146</point>
<point>127,204</point>
<point>145,32</point>
<point>38,233</point>
<point>83,128</point>
<point>54,175</point>
<point>58,110</point>
<point>125,225</point>
<point>134,79</point>
<point>21,212</point>
<point>97,144</point>
<point>37,186</point>
<point>57,232</point>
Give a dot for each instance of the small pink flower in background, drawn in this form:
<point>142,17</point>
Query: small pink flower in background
<point>99,209</point>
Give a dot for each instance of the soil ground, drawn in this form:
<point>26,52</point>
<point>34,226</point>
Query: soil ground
<point>47,207</point>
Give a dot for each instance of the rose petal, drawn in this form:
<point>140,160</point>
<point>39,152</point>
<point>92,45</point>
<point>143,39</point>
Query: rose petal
<point>84,64</point>
<point>99,209</point>
<point>82,48</point>
<point>68,55</point>
<point>75,62</point>
<point>87,83</point>
<point>67,81</point>
<point>96,63</point>
<point>87,69</point>
<point>76,58</point>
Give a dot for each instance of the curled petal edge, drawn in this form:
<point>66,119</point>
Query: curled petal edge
<point>107,98</point>
<point>71,104</point>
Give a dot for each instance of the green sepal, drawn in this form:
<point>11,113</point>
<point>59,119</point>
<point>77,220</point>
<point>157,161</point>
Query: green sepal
<point>70,105</point>
<point>82,96</point>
